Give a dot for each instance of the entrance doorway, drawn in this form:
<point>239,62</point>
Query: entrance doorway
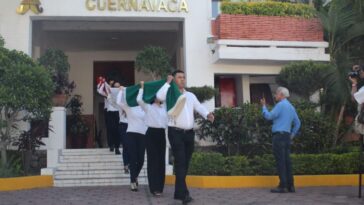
<point>96,46</point>
<point>122,72</point>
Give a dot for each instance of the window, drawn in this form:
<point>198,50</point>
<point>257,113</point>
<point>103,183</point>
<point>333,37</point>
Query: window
<point>215,8</point>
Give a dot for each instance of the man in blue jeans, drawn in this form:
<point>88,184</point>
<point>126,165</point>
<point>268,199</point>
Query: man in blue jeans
<point>283,116</point>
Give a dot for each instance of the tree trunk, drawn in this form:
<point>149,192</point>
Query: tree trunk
<point>338,123</point>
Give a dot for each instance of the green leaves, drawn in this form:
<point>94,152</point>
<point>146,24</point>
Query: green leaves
<point>241,128</point>
<point>26,88</point>
<point>211,163</point>
<point>57,64</point>
<point>304,78</point>
<point>154,61</point>
<point>2,41</point>
<point>268,9</point>
<point>204,93</point>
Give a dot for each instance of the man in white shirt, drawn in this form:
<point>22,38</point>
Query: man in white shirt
<point>181,134</point>
<point>123,126</point>
<point>156,120</point>
<point>109,92</point>
<point>135,138</point>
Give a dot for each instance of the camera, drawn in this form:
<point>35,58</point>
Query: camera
<point>356,71</point>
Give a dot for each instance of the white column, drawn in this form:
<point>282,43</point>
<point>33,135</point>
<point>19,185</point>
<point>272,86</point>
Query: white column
<point>245,79</point>
<point>57,138</point>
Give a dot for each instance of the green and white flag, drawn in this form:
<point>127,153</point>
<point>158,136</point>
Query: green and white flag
<point>175,101</point>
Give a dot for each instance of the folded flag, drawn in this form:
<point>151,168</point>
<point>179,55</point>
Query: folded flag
<point>174,100</point>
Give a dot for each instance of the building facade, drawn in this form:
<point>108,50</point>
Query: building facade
<point>239,55</point>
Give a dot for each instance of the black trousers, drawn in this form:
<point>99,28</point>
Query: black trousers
<point>106,116</point>
<point>112,127</point>
<point>156,152</point>
<point>136,149</point>
<point>122,131</point>
<point>282,151</point>
<point>182,143</point>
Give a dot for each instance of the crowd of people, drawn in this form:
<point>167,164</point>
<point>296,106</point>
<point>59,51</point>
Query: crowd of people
<point>143,128</point>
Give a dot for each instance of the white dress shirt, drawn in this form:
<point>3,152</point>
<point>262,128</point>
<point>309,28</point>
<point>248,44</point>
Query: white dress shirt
<point>134,115</point>
<point>111,97</point>
<point>185,120</point>
<point>122,116</point>
<point>155,115</point>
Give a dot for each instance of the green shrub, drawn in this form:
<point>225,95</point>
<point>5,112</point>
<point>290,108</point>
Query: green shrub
<point>263,165</point>
<point>154,61</point>
<point>268,9</point>
<point>236,165</point>
<point>304,78</point>
<point>316,134</point>
<point>302,164</point>
<point>2,41</point>
<point>13,168</point>
<point>203,93</point>
<point>241,129</point>
<point>207,163</point>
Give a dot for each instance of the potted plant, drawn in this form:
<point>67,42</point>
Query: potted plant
<point>57,64</point>
<point>153,61</point>
<point>77,128</point>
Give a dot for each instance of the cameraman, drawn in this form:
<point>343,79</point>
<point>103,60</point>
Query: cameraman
<point>357,95</point>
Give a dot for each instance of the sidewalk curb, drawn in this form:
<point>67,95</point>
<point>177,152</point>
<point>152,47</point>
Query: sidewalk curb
<point>20,183</point>
<point>266,181</point>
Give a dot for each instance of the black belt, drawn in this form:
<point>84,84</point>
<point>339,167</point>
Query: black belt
<point>181,130</point>
<point>281,133</point>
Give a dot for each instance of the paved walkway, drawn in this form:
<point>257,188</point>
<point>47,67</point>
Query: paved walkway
<point>122,196</point>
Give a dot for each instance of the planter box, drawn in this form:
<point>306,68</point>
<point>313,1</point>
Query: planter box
<point>277,28</point>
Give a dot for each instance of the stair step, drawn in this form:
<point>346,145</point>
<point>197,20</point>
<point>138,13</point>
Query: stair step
<point>95,176</point>
<point>80,168</point>
<point>86,172</point>
<point>96,182</point>
<point>89,160</point>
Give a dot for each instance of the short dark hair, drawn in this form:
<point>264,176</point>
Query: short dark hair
<point>177,71</point>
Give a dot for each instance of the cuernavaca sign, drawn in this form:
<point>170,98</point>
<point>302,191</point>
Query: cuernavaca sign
<point>26,5</point>
<point>138,5</point>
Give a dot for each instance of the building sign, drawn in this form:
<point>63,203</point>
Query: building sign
<point>26,5</point>
<point>138,5</point>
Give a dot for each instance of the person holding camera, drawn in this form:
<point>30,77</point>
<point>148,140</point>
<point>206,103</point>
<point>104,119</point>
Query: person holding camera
<point>358,96</point>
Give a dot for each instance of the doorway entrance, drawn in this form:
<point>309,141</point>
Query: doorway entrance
<point>122,72</point>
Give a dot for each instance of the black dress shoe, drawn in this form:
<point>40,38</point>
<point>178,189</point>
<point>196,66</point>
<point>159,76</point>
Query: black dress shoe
<point>117,152</point>
<point>279,190</point>
<point>291,189</point>
<point>111,149</point>
<point>187,200</point>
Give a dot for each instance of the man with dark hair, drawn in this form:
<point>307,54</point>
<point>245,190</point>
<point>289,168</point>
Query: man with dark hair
<point>181,134</point>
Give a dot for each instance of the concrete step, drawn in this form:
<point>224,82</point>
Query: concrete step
<point>84,159</point>
<point>86,172</point>
<point>90,164</point>
<point>80,168</point>
<point>98,152</point>
<point>90,175</point>
<point>104,158</point>
<point>97,182</point>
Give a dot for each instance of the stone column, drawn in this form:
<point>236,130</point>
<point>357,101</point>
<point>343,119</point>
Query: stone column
<point>57,139</point>
<point>245,79</point>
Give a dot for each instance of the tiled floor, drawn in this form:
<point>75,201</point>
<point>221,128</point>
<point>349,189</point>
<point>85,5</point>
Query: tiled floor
<point>120,195</point>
